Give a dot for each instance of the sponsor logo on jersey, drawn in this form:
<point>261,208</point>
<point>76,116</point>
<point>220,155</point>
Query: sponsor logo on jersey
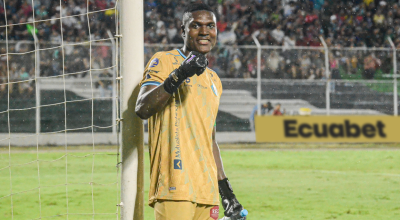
<point>154,62</point>
<point>148,76</point>
<point>177,147</point>
<point>201,86</point>
<point>177,164</point>
<point>172,188</point>
<point>214,212</point>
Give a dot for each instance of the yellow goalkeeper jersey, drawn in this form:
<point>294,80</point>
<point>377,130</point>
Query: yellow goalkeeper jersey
<point>182,165</point>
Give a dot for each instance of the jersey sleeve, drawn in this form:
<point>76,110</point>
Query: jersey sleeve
<point>157,70</point>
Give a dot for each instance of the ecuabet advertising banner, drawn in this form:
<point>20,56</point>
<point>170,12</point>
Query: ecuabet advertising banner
<point>327,129</point>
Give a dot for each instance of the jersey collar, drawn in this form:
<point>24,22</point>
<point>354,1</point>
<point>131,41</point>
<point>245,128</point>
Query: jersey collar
<point>180,52</point>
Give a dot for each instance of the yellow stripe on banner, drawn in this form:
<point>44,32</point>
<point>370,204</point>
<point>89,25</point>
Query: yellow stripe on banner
<point>344,129</point>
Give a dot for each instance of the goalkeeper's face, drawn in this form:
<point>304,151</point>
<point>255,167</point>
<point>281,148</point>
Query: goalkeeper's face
<point>199,31</point>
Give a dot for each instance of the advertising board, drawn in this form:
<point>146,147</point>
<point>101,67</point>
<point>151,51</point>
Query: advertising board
<point>330,129</point>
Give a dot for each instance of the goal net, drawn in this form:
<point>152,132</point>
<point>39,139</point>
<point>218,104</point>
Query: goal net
<point>59,87</point>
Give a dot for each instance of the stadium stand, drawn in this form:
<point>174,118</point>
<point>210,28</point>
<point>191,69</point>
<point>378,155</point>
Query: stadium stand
<point>298,22</point>
<point>19,14</point>
<point>357,23</point>
<point>361,24</point>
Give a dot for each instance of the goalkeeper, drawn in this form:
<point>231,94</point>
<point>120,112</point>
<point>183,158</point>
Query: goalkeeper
<point>180,96</point>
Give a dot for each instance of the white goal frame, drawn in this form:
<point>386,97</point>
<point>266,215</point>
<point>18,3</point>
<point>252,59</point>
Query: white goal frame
<point>132,60</point>
<point>129,68</point>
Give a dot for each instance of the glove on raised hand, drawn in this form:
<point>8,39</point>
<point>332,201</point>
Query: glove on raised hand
<point>195,63</point>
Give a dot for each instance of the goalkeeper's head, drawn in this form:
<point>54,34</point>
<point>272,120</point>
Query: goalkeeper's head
<point>199,28</point>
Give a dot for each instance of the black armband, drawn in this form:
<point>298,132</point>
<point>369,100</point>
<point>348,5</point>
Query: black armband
<point>174,80</point>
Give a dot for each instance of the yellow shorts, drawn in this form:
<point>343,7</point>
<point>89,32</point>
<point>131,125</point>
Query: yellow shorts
<point>183,210</point>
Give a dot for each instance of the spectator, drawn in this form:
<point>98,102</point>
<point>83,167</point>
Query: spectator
<point>278,34</point>
<point>161,32</point>
<point>293,71</point>
<point>25,85</point>
<point>41,12</point>
<point>334,66</point>
<point>289,42</point>
<point>105,84</point>
<point>172,32</point>
<point>70,21</point>
<point>305,65</point>
<point>387,60</point>
<point>222,24</point>
<point>277,110</point>
<point>55,37</point>
<point>26,9</point>
<point>273,65</point>
<point>354,64</point>
<point>379,18</point>
<point>370,65</point>
<point>288,9</point>
<point>227,37</point>
<point>235,63</point>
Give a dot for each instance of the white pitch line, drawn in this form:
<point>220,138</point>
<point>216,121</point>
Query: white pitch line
<point>337,172</point>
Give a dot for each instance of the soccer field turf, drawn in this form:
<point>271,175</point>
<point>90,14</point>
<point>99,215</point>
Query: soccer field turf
<point>271,184</point>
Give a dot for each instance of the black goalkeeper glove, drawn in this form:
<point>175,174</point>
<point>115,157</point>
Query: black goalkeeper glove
<point>195,63</point>
<point>231,205</point>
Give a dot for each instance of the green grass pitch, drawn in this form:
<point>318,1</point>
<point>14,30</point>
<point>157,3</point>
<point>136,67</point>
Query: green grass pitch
<point>271,184</point>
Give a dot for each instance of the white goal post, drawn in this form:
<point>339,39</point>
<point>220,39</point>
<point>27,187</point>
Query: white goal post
<point>132,60</point>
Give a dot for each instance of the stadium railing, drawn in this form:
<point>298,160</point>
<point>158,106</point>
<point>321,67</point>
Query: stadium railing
<point>295,77</point>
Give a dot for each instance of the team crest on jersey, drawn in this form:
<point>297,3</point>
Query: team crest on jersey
<point>188,82</point>
<point>154,62</point>
<point>214,89</point>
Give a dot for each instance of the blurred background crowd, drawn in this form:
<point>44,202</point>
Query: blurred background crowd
<point>70,37</point>
<point>357,24</point>
<point>287,23</point>
<point>347,23</point>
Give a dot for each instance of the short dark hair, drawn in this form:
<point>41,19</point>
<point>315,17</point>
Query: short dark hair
<point>195,7</point>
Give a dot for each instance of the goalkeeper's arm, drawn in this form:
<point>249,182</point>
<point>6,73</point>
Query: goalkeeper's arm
<point>232,207</point>
<point>152,99</point>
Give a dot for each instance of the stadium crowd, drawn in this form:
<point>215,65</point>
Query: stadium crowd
<point>286,23</point>
<point>73,34</point>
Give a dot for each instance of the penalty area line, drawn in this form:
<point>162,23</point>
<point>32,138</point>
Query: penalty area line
<point>337,172</point>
